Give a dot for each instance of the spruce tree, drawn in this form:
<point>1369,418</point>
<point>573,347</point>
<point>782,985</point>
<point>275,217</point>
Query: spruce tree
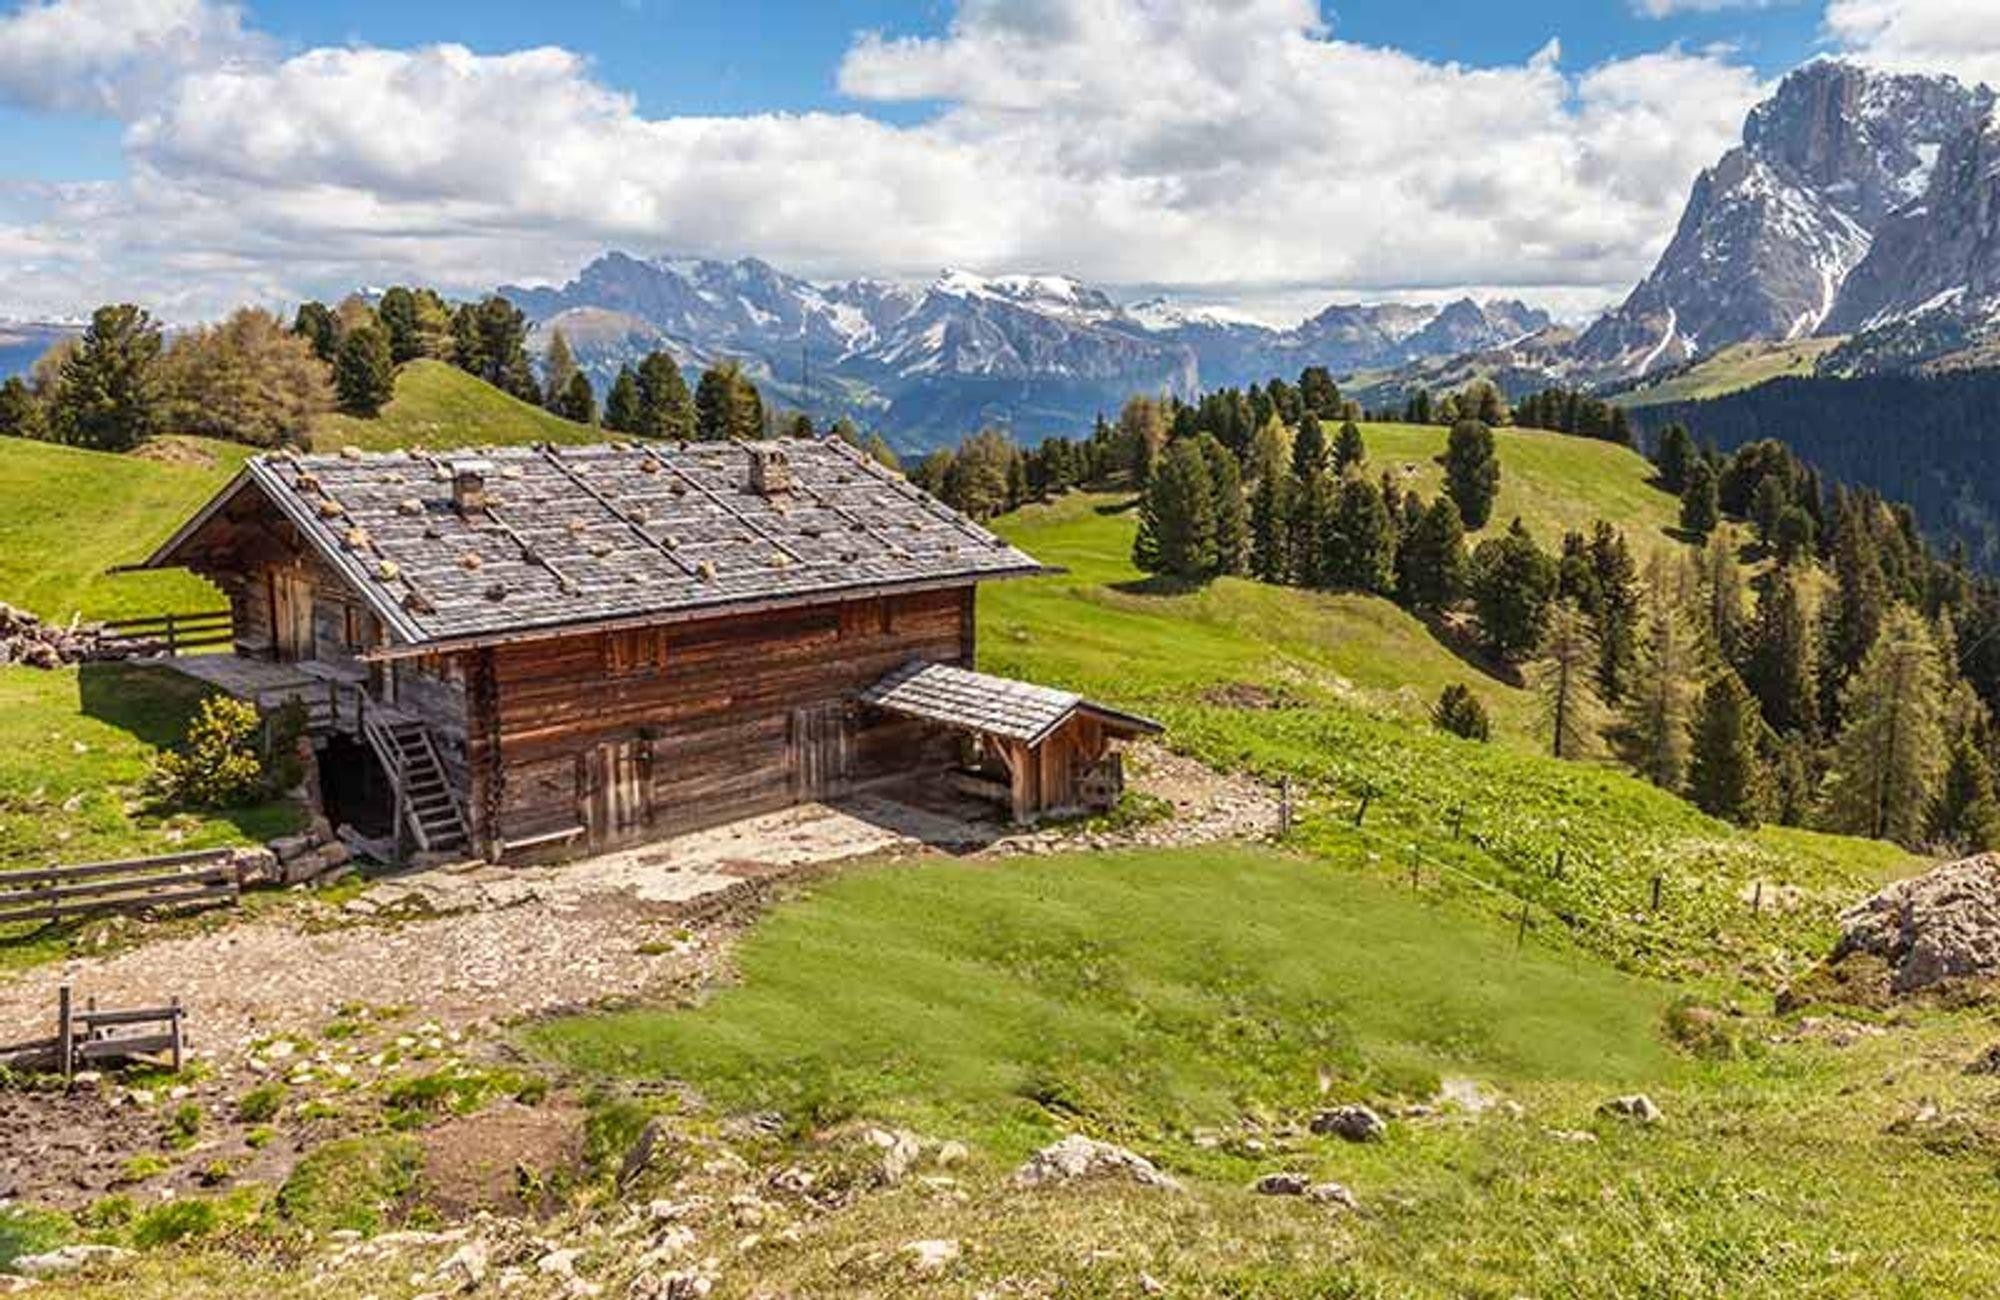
<point>1472,472</point>
<point>1724,777</point>
<point>1675,458</point>
<point>1432,568</point>
<point>1513,585</point>
<point>1965,814</point>
<point>1721,587</point>
<point>663,408</point>
<point>1348,449</point>
<point>398,314</point>
<point>1319,396</point>
<point>1615,620</point>
<point>1270,527</point>
<point>1853,614</point>
<point>112,397</point>
<point>1701,510</point>
<point>1777,657</point>
<point>1177,516</point>
<point>578,401</point>
<point>364,374</point>
<point>727,405</point>
<point>1564,681</point>
<point>1887,758</point>
<point>1653,728</point>
<point>20,413</point>
<point>314,323</point>
<point>1232,527</point>
<point>1312,522</point>
<point>1459,712</point>
<point>1362,540</point>
<point>1309,453</point>
<point>621,404</point>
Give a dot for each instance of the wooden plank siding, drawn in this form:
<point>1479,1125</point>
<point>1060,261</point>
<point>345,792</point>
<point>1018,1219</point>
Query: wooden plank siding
<point>717,712</point>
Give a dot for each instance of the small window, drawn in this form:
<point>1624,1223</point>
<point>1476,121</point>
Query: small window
<point>638,650</point>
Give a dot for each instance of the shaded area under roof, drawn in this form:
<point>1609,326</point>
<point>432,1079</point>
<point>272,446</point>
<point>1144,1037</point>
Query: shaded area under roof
<point>993,706</point>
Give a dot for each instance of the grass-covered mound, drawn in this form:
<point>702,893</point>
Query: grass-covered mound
<point>1141,995</point>
<point>441,407</point>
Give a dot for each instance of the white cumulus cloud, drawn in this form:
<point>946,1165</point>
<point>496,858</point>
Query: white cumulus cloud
<point>1957,36</point>
<point>112,56</point>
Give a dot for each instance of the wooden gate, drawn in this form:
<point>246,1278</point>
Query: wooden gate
<point>291,615</point>
<point>820,746</point>
<point>616,793</point>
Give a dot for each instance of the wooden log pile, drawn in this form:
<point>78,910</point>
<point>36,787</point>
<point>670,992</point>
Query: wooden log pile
<point>25,639</point>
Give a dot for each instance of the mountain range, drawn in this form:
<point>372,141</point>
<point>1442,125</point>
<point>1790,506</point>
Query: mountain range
<point>1040,353</point>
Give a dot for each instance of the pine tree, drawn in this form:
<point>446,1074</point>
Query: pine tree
<point>663,408</point>
<point>314,323</point>
<point>1725,778</point>
<point>1177,516</point>
<point>1513,585</point>
<point>491,341</point>
<point>1701,510</point>
<point>621,405</point>
<point>1653,730</point>
<point>1886,760</point>
<point>111,396</point>
<point>1965,815</point>
<point>1563,678</point>
<point>1309,453</point>
<point>364,374</point>
<point>1459,712</point>
<point>1362,540</point>
<point>1270,527</point>
<point>558,368</point>
<point>1794,537</point>
<point>578,401</point>
<point>1432,569</point>
<point>1675,458</point>
<point>1777,658</point>
<point>1472,472</point>
<point>1348,449</point>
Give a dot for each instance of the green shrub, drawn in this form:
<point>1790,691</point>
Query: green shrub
<point>184,1125</point>
<point>26,1232</point>
<point>217,764</point>
<point>262,1103</point>
<point>175,1221</point>
<point>1459,712</point>
<point>359,1183</point>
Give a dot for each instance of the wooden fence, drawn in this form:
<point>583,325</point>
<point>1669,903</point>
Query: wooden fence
<point>171,634</point>
<point>90,1037</point>
<point>54,893</point>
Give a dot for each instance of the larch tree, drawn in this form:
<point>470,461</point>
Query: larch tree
<point>1565,682</point>
<point>1965,814</point>
<point>1888,756</point>
<point>1725,778</point>
<point>558,368</point>
<point>1721,586</point>
<point>1654,719</point>
<point>246,379</point>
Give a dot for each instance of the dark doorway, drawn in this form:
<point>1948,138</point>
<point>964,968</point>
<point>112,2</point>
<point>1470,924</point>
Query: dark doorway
<point>355,789</point>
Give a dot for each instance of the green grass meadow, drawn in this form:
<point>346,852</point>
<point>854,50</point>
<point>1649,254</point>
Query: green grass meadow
<point>439,407</point>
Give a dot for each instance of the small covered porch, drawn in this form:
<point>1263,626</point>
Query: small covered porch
<point>1033,750</point>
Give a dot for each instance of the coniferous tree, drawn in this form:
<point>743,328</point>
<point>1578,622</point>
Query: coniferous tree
<point>364,375</point>
<point>1319,396</point>
<point>1653,732</point>
<point>1459,712</point>
<point>490,340</point>
<point>727,405</point>
<point>1701,511</point>
<point>1361,540</point>
<point>1965,814</point>
<point>1348,449</point>
<point>1270,527</point>
<point>111,396</point>
<point>1141,436</point>
<point>20,413</point>
<point>1309,451</point>
<point>1615,619</point>
<point>578,401</point>
<point>1725,778</point>
<point>1232,527</point>
<point>314,322</point>
<point>1472,472</point>
<point>1777,657</point>
<point>1721,587</point>
<point>1177,516</point>
<point>1513,585</point>
<point>1675,458</point>
<point>1853,614</point>
<point>1431,567</point>
<point>1313,502</point>
<point>663,408</point>
<point>1793,539</point>
<point>621,404</point>
<point>1887,759</point>
<point>247,379</point>
<point>1564,682</point>
<point>558,368</point>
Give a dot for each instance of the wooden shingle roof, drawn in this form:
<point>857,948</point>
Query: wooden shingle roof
<point>612,533</point>
<point>993,706</point>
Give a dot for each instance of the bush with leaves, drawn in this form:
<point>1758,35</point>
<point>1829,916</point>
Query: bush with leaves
<point>218,764</point>
<point>1459,712</point>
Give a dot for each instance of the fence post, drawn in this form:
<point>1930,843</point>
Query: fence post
<point>1562,861</point>
<point>1285,805</point>
<point>1367,793</point>
<point>173,641</point>
<point>1457,820</point>
<point>65,1031</point>
<point>1656,893</point>
<point>1416,870</point>
<point>1521,931</point>
<point>1757,900</point>
<point>175,1007</point>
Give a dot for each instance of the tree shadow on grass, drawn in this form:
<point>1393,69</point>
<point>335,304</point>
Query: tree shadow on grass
<point>1122,507</point>
<point>148,702</point>
<point>1160,584</point>
<point>1460,641</point>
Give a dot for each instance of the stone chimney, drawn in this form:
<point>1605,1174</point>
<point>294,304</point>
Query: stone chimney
<point>468,485</point>
<point>770,471</point>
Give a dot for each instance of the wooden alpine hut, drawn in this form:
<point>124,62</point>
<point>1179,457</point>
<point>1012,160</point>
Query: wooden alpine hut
<point>532,652</point>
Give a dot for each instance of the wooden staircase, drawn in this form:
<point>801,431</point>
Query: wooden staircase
<point>426,802</point>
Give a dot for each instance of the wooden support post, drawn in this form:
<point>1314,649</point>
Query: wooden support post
<point>1521,931</point>
<point>1285,806</point>
<point>173,644</point>
<point>65,1031</point>
<point>1656,893</point>
<point>174,1028</point>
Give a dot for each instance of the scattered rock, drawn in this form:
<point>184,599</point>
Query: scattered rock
<point>14,1284</point>
<point>1286,1184</point>
<point>68,1259</point>
<point>671,1286</point>
<point>1077,1157</point>
<point>1352,1123</point>
<point>1941,926</point>
<point>952,1154</point>
<point>25,639</point>
<point>933,1256</point>
<point>466,1268</point>
<point>1987,1062</point>
<point>900,1151</point>
<point>1576,1136</point>
<point>1638,1106</point>
<point>1333,1194</point>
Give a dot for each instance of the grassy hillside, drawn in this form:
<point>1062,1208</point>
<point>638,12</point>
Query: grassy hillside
<point>1740,366</point>
<point>441,407</point>
<point>67,515</point>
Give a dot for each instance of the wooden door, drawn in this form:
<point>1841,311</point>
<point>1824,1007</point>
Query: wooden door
<point>820,749</point>
<point>291,615</point>
<point>615,793</point>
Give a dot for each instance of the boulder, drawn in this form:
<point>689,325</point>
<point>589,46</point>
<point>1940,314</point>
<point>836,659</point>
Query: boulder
<point>1638,1106</point>
<point>1285,1184</point>
<point>1353,1123</point>
<point>1077,1157</point>
<point>932,1256</point>
<point>1335,1194</point>
<point>14,1283</point>
<point>68,1259</point>
<point>1941,926</point>
<point>899,1149</point>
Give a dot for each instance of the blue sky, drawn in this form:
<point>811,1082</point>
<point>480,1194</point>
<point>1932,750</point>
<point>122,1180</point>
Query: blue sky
<point>1266,154</point>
